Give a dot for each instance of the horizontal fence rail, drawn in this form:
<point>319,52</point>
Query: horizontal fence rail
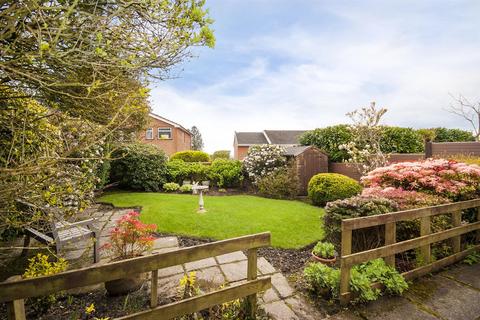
<point>15,291</point>
<point>423,242</point>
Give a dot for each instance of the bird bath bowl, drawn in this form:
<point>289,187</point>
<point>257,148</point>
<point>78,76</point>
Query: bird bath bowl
<point>200,189</point>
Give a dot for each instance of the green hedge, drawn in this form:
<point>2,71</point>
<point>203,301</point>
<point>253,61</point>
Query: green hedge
<point>221,154</point>
<point>328,139</point>
<point>281,184</point>
<point>326,187</point>
<point>179,170</point>
<point>452,135</point>
<point>139,166</point>
<point>191,156</point>
<point>401,140</point>
<point>226,173</point>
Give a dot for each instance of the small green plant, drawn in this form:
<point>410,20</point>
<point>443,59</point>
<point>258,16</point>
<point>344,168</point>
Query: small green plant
<point>171,186</point>
<point>324,250</point>
<point>472,258</point>
<point>186,188</point>
<point>40,265</point>
<point>322,278</point>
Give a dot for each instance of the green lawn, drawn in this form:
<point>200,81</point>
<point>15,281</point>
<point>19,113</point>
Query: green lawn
<point>293,224</point>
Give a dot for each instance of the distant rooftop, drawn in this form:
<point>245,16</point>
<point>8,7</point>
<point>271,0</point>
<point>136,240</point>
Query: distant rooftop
<point>280,137</point>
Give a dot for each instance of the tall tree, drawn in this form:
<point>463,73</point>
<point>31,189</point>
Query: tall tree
<point>77,72</point>
<point>468,110</point>
<point>197,141</point>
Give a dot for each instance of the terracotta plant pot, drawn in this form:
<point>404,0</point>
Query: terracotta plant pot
<point>125,285</point>
<point>327,261</point>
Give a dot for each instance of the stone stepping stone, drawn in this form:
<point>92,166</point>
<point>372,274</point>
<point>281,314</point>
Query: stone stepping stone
<point>280,283</point>
<point>199,264</point>
<point>231,257</point>
<point>280,311</point>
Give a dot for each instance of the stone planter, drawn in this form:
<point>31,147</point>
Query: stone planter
<point>125,285</point>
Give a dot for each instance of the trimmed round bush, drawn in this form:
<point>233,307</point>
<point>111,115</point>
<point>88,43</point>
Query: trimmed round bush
<point>191,156</point>
<point>171,186</point>
<point>326,187</point>
<point>139,166</point>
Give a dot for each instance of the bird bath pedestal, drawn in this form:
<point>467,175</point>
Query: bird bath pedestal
<point>199,189</point>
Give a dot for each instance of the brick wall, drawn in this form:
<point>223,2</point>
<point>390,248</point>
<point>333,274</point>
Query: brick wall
<point>180,140</point>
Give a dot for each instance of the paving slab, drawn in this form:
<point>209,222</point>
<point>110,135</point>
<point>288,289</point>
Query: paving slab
<point>303,309</point>
<point>169,287</point>
<point>270,296</point>
<point>165,242</point>
<point>199,264</point>
<point>446,298</point>
<point>170,271</point>
<point>235,271</point>
<point>231,257</point>
<point>280,283</point>
<point>394,308</point>
<point>210,278</point>
<point>465,273</point>
<point>279,310</point>
<point>264,266</point>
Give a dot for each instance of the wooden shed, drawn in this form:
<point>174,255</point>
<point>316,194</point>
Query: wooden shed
<point>309,161</point>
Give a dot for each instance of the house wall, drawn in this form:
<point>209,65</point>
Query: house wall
<point>180,140</point>
<point>239,153</point>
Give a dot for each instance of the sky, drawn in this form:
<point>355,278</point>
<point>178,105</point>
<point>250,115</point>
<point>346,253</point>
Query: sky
<point>304,64</point>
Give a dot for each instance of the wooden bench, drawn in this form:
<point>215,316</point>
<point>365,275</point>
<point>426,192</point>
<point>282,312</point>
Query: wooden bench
<point>63,232</point>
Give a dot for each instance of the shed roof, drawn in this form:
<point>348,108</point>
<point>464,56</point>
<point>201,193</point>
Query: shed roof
<point>295,150</point>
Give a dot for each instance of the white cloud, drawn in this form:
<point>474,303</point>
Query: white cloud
<point>302,79</point>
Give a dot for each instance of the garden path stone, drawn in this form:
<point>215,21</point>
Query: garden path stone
<point>165,272</point>
<point>165,242</point>
<point>211,278</point>
<point>269,296</point>
<point>264,266</point>
<point>231,257</point>
<point>235,271</point>
<point>446,298</point>
<point>469,275</point>
<point>199,264</point>
<point>279,310</point>
<point>280,283</point>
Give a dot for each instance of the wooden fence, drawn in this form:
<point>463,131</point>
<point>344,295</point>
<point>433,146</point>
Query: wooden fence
<point>391,247</point>
<point>445,149</point>
<point>14,292</point>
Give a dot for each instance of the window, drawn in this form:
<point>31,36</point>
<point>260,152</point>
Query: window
<point>164,133</point>
<point>149,134</point>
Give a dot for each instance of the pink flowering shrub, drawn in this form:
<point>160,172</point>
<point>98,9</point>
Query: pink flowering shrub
<point>130,237</point>
<point>450,179</point>
<point>405,199</point>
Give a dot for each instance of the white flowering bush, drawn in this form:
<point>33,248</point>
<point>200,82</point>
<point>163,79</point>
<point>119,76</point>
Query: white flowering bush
<point>263,160</point>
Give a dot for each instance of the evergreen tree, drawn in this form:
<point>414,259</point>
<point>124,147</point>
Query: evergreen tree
<point>197,141</point>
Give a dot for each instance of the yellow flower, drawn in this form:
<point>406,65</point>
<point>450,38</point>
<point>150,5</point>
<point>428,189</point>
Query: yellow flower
<point>90,309</point>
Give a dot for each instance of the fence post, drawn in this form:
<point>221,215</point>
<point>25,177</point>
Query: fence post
<point>154,289</point>
<point>425,229</point>
<point>344,269</point>
<point>428,149</point>
<point>478,219</point>
<point>456,222</point>
<point>15,308</point>
<point>390,238</point>
<point>251,300</point>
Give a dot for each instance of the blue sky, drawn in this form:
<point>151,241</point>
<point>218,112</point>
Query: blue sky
<point>304,64</point>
